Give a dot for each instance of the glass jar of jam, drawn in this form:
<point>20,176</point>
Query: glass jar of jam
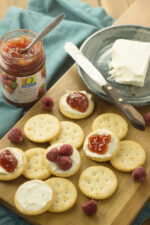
<point>23,75</point>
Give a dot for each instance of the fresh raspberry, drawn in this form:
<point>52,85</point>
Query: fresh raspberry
<point>147,118</point>
<point>65,163</point>
<point>139,174</point>
<point>15,135</point>
<point>53,155</point>
<point>66,149</point>
<point>47,103</point>
<point>90,207</point>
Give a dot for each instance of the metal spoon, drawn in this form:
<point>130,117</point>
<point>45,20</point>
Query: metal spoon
<point>46,30</point>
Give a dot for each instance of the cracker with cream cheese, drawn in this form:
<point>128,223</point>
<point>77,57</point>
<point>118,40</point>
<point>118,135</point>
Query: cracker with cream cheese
<point>19,159</point>
<point>73,113</point>
<point>97,140</point>
<point>33,197</point>
<point>55,167</point>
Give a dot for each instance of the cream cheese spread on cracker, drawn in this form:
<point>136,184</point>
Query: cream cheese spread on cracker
<point>112,146</point>
<point>33,195</point>
<point>18,156</point>
<point>75,158</point>
<point>68,108</point>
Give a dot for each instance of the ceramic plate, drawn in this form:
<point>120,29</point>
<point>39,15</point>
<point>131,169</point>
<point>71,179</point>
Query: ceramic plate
<point>97,48</point>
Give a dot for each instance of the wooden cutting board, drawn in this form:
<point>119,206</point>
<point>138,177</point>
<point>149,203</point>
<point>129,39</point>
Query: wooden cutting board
<point>124,205</point>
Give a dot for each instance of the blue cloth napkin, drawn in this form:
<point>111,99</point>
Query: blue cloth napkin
<point>81,21</point>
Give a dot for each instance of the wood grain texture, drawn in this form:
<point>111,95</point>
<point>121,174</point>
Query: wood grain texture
<point>110,211</point>
<point>123,207</point>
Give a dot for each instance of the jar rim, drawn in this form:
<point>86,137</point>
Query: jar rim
<point>21,30</point>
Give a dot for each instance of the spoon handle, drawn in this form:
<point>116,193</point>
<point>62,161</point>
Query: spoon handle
<point>47,29</point>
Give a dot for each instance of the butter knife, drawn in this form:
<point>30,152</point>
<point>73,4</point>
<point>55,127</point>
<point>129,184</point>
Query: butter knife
<point>133,116</point>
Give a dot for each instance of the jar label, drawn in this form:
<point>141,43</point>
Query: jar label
<point>24,89</point>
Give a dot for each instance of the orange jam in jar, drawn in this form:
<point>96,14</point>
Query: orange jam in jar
<point>23,75</point>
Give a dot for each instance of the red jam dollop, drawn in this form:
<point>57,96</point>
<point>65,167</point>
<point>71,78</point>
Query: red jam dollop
<point>8,161</point>
<point>14,47</point>
<point>78,101</point>
<point>99,143</point>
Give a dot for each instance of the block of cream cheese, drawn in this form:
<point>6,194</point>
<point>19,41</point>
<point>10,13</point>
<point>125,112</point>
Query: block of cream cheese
<point>130,60</point>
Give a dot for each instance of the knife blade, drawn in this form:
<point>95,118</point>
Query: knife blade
<point>133,116</point>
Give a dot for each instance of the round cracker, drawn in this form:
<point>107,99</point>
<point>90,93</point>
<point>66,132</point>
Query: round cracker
<point>65,194</point>
<point>54,166</point>
<point>19,169</point>
<point>42,128</point>
<point>98,182</point>
<point>70,133</point>
<point>32,198</point>
<point>112,148</point>
<point>130,156</point>
<point>35,167</point>
<point>113,122</point>
<point>73,113</point>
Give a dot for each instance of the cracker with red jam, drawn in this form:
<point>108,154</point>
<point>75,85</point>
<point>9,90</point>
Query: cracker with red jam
<point>63,160</point>
<point>12,163</point>
<point>76,104</point>
<point>101,145</point>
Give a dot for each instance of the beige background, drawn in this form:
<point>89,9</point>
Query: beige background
<point>115,8</point>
